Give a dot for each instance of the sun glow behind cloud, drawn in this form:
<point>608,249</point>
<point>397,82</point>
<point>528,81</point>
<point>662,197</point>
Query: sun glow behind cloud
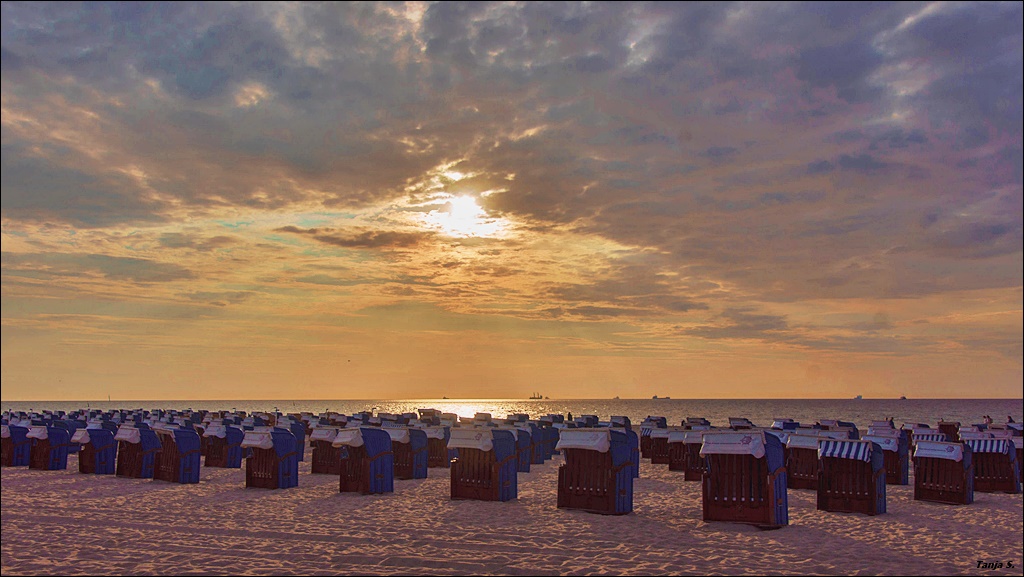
<point>462,217</point>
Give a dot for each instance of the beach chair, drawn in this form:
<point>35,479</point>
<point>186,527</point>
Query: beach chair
<point>951,429</point>
<point>409,447</point>
<point>72,425</point>
<point>15,446</point>
<point>223,446</point>
<point>646,427</point>
<point>49,448</point>
<point>98,454</point>
<point>745,480</point>
<point>486,468</point>
<point>928,436</point>
<point>896,453</point>
<point>524,447</point>
<point>437,447</point>
<point>693,465</point>
<point>179,458</point>
<point>659,445</point>
<point>943,473</point>
<point>367,461</point>
<point>326,458</point>
<point>597,475</point>
<point>995,465</point>
<point>677,450</point>
<point>273,462</point>
<point>802,464</point>
<point>740,423</point>
<point>852,477</point>
<point>539,437</point>
<point>137,449</point>
<point>298,429</point>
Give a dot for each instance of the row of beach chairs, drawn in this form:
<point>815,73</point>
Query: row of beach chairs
<point>745,470</point>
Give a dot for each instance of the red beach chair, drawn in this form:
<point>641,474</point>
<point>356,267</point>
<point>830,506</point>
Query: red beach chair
<point>694,465</point>
<point>896,453</point>
<point>802,465</point>
<point>437,447</point>
<point>677,451</point>
<point>943,473</point>
<point>951,429</point>
<point>852,477</point>
<point>995,465</point>
<point>746,479</point>
<point>326,458</point>
<point>659,445</point>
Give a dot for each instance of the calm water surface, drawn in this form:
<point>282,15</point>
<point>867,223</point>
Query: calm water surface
<point>760,411</point>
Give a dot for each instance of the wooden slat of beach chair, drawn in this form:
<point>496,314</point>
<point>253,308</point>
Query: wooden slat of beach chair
<point>403,460</point>
<point>676,457</point>
<point>166,466</point>
<point>995,473</point>
<point>437,451</point>
<point>87,459</point>
<point>39,458</point>
<point>695,466</point>
<point>129,460</point>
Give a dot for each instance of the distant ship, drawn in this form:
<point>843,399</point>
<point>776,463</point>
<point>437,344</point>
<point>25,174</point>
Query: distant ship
<point>858,397</point>
<point>536,396</point>
<point>903,397</point>
<point>657,398</point>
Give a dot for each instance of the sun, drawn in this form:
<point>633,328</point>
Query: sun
<point>462,217</point>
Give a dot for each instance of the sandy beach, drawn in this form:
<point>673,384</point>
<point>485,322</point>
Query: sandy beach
<point>67,523</point>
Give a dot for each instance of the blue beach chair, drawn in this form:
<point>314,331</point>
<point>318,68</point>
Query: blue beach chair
<point>486,468</point>
<point>179,459</point>
<point>98,454</point>
<point>597,475</point>
<point>367,461</point>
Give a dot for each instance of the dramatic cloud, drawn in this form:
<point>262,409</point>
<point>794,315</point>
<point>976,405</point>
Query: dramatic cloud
<point>654,184</point>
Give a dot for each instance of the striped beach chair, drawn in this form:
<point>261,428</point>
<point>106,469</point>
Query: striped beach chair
<point>995,465</point>
<point>852,477</point>
<point>943,472</point>
<point>597,475</point>
<point>98,453</point>
<point>272,462</point>
<point>745,480</point>
<point>486,468</point>
<point>367,461</point>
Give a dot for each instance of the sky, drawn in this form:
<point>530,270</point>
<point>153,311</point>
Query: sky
<point>488,200</point>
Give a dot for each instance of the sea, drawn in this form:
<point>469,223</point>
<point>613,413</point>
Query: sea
<point>760,411</point>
